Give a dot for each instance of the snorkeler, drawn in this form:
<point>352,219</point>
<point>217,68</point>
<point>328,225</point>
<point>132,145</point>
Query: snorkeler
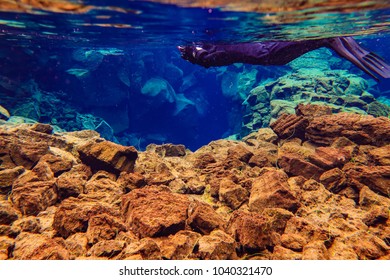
<point>282,52</point>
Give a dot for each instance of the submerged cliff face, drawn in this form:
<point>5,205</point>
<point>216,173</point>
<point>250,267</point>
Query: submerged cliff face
<point>315,186</point>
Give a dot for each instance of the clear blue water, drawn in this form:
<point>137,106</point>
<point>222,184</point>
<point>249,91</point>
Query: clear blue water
<point>55,64</point>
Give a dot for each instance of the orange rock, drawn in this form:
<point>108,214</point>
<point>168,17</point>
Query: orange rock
<point>250,230</point>
<point>217,246</point>
<point>74,214</point>
<point>232,194</point>
<point>108,156</point>
<point>152,211</point>
<point>271,190</point>
<point>29,246</point>
<point>202,218</point>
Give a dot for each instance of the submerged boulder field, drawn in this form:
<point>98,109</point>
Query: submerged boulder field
<point>315,185</point>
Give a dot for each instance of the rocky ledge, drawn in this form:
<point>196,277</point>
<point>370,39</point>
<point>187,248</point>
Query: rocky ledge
<point>315,186</point>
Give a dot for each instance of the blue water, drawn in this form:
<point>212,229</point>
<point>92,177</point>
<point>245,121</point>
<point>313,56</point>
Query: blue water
<point>76,69</point>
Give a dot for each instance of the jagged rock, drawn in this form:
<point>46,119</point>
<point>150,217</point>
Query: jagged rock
<point>6,246</point>
<point>7,214</point>
<point>145,249</point>
<point>73,215</point>
<point>315,250</point>
<point>281,253</point>
<point>217,246</point>
<point>377,178</point>
<point>357,128</point>
<point>151,212</point>
<point>204,160</point>
<point>103,186</point>
<point>103,227</point>
<point>381,156</point>
<point>27,224</point>
<point>239,152</point>
<point>270,190</point>
<point>72,183</point>
<point>294,242</point>
<point>204,219</point>
<point>180,246</point>
<point>310,110</point>
<point>106,248</point>
<point>334,180</point>
<point>108,156</point>
<point>329,157</point>
<point>130,181</point>
<point>170,150</point>
<point>289,126</point>
<point>232,194</point>
<point>33,191</point>
<point>250,230</point>
<point>77,244</point>
<point>8,176</point>
<point>30,246</point>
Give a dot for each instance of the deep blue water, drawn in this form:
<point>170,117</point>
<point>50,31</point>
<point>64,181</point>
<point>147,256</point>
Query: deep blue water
<point>76,69</point>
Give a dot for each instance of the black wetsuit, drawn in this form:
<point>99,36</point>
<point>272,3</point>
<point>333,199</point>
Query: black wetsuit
<point>282,52</point>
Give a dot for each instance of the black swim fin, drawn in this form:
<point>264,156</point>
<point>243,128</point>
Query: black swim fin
<point>369,62</point>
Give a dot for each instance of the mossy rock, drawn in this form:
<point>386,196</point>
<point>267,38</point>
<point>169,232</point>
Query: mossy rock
<point>378,109</point>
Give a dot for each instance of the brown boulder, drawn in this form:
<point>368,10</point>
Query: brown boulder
<point>204,160</point>
<point>72,183</point>
<point>366,245</point>
<point>179,246</point>
<point>130,181</point>
<point>106,248</point>
<point>29,246</point>
<point>381,156</point>
<point>153,211</point>
<point>7,214</point>
<point>217,246</point>
<point>297,166</point>
<point>329,157</point>
<point>315,250</point>
<point>74,214</point>
<point>31,195</point>
<point>6,246</point>
<point>377,178</point>
<point>239,152</point>
<point>202,218</point>
<point>57,164</point>
<point>76,245</point>
<point>334,180</point>
<point>103,227</point>
<point>250,230</point>
<point>289,126</point>
<point>310,110</point>
<point>357,128</point>
<point>108,156</point>
<point>145,249</point>
<point>282,253</point>
<point>271,190</point>
<point>103,187</point>
<point>8,176</point>
<point>170,150</point>
<point>232,194</point>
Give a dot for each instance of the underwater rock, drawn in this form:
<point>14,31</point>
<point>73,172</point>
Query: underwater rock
<point>108,156</point>
<point>151,212</point>
<point>217,246</point>
<point>271,190</point>
<point>307,201</point>
<point>30,246</point>
<point>357,128</point>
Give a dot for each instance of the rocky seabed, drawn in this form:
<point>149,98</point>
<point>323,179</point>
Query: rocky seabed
<point>315,185</point>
